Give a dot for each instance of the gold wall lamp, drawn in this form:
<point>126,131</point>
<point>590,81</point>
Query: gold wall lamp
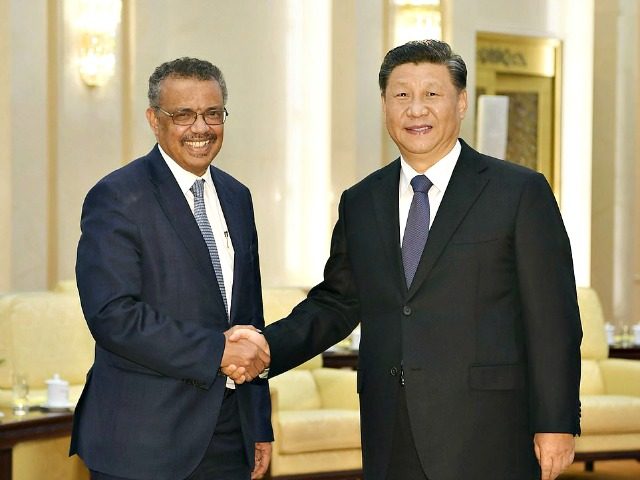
<point>96,25</point>
<point>414,20</point>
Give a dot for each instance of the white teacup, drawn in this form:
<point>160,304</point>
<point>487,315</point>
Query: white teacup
<point>636,334</point>
<point>610,331</point>
<point>57,392</point>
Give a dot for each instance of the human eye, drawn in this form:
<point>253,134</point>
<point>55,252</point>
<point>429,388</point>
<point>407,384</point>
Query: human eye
<point>214,115</point>
<point>183,116</point>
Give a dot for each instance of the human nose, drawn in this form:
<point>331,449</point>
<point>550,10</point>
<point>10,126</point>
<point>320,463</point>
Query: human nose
<point>200,125</point>
<point>417,107</point>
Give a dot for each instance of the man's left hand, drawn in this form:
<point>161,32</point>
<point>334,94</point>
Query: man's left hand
<point>263,457</point>
<point>555,452</point>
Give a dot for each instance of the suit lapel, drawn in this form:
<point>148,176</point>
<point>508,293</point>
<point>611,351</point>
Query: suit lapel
<point>177,211</point>
<point>236,229</point>
<point>385,197</point>
<point>464,188</point>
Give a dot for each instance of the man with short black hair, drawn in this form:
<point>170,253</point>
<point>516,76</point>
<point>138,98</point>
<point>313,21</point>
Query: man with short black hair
<point>459,269</point>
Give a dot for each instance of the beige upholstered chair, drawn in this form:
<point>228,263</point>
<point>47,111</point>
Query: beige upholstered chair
<point>43,333</point>
<point>609,392</point>
<point>315,416</point>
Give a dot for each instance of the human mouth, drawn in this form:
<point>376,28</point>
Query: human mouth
<point>419,129</point>
<point>197,144</point>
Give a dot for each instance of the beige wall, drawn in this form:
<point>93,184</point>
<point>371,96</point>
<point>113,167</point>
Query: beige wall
<point>66,135</point>
<point>605,56</point>
<point>616,191</point>
<point>571,22</point>
<point>256,50</point>
<point>28,133</point>
<point>635,296</point>
<point>5,151</point>
<point>60,136</point>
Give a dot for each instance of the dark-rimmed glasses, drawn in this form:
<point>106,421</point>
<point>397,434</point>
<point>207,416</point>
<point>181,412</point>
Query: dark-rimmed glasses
<point>189,117</point>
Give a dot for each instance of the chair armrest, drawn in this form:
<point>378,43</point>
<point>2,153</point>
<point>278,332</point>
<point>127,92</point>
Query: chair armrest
<point>620,376</point>
<point>337,388</point>
<point>275,416</point>
<point>273,394</point>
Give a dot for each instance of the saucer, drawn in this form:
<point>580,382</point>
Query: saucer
<point>57,408</point>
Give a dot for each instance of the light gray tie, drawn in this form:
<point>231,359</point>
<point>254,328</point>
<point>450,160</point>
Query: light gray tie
<point>417,229</point>
<point>200,213</point>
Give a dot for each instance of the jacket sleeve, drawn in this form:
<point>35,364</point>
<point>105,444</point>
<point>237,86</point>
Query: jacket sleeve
<point>110,282</point>
<point>328,314</point>
<point>549,310</point>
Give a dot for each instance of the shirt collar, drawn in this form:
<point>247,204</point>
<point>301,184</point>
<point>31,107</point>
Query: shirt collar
<point>184,178</point>
<point>439,173</point>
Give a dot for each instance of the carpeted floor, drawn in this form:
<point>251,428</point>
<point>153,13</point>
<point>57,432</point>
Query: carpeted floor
<point>604,470</point>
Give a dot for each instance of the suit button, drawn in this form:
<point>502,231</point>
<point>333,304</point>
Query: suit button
<point>406,310</point>
<point>393,371</point>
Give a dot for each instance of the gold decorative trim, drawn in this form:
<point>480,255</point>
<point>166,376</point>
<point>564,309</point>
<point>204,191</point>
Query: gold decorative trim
<point>127,61</point>
<point>53,14</point>
<point>516,54</point>
<point>527,64</point>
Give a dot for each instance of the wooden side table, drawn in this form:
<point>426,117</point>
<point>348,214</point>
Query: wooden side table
<point>33,426</point>
<point>340,359</point>
<point>630,353</point>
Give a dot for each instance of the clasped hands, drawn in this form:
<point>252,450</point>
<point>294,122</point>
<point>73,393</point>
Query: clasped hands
<point>246,353</point>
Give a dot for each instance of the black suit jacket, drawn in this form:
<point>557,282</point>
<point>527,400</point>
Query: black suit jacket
<point>153,305</point>
<point>489,332</point>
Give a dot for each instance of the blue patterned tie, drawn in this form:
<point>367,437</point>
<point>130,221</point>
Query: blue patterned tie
<point>417,229</point>
<point>200,213</point>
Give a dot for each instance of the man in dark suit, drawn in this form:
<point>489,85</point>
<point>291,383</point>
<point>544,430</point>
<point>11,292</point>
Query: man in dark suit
<point>167,261</point>
<point>459,269</point>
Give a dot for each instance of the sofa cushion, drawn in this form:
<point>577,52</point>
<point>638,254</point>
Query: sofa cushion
<point>302,465</point>
<point>602,414</point>
<point>278,302</point>
<point>594,341</point>
<point>317,430</point>
<point>613,442</point>
<point>621,376</point>
<point>337,388</point>
<point>44,333</point>
<point>296,390</point>
<point>591,382</point>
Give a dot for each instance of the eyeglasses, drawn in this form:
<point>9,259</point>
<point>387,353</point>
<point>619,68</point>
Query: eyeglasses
<point>189,117</point>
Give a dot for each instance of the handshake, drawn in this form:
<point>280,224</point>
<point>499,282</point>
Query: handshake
<point>246,353</point>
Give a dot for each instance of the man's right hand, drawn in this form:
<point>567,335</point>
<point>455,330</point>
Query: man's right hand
<point>246,353</point>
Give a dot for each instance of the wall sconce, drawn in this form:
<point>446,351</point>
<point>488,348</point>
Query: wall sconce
<point>97,24</point>
<point>414,20</point>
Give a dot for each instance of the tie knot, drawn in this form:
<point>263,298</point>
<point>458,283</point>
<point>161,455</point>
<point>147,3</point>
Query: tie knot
<point>421,183</point>
<point>197,188</point>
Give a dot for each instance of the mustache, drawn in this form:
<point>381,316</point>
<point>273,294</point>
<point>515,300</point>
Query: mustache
<point>200,138</point>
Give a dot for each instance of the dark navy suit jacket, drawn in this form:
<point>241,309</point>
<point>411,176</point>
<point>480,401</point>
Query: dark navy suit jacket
<point>488,334</point>
<point>151,300</point>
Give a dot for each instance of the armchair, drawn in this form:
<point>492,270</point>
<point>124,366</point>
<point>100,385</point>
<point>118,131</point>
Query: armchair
<point>609,393</point>
<point>44,333</point>
<point>315,412</point>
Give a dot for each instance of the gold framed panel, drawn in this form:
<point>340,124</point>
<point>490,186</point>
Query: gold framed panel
<point>528,71</point>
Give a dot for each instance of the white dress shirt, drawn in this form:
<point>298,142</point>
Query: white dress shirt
<point>215,215</point>
<point>439,174</point>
